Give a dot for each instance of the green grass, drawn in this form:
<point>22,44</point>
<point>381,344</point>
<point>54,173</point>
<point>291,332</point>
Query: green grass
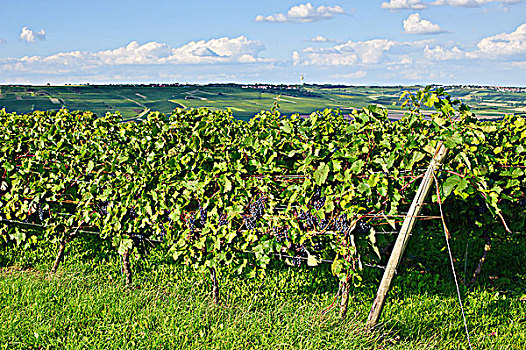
<point>85,305</point>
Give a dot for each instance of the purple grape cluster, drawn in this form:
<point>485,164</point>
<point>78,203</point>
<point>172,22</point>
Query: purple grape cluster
<point>102,207</point>
<point>307,220</point>
<point>323,223</point>
<point>222,219</point>
<point>255,212</point>
<point>203,215</point>
<point>362,228</point>
<point>190,222</point>
<point>300,253</point>
<point>341,224</point>
<point>481,207</point>
<point>281,233</point>
<point>317,247</point>
<point>317,200</point>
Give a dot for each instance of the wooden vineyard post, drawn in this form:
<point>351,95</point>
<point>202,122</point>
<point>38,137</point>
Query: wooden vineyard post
<point>403,236</point>
<point>126,267</point>
<point>345,298</point>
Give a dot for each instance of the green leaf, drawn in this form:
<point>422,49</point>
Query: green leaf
<point>320,175</point>
<point>357,166</point>
<point>450,184</point>
<point>90,167</point>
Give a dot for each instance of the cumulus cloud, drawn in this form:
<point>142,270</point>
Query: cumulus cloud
<point>416,25</point>
<point>511,45</point>
<point>296,58</point>
<point>225,50</point>
<point>304,13</point>
<point>503,44</point>
<point>439,53</point>
<point>322,39</point>
<point>472,3</point>
<point>347,54</point>
<point>30,36</point>
<point>404,4</point>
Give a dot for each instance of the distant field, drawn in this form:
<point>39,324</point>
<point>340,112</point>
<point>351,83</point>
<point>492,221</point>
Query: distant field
<point>244,101</point>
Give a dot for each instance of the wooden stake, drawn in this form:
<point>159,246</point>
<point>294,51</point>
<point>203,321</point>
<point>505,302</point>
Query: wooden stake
<point>126,267</point>
<point>62,248</point>
<point>403,236</point>
<point>345,299</point>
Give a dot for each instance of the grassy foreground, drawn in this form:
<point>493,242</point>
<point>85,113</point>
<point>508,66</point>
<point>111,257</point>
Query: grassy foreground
<point>85,305</point>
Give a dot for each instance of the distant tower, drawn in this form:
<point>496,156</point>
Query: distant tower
<point>302,78</point>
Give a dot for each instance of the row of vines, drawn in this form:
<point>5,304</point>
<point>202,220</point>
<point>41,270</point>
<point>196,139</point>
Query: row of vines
<point>219,193</point>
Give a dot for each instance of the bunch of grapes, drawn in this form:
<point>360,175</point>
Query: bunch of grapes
<point>317,247</point>
<point>250,222</point>
<point>317,200</point>
<point>307,220</point>
<point>255,211</point>
<point>203,214</point>
<point>42,214</point>
<point>300,253</point>
<point>342,224</point>
<point>280,233</point>
<point>481,207</point>
<point>163,231</point>
<point>362,228</point>
<point>323,223</point>
<point>190,222</point>
<point>223,219</point>
<point>522,203</point>
<point>256,208</point>
<point>102,207</point>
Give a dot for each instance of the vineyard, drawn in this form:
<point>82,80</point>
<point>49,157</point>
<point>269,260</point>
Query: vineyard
<point>220,194</point>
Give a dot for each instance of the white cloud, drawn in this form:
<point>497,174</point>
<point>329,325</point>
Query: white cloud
<point>321,39</point>
<point>296,58</point>
<point>404,4</point>
<point>503,44</point>
<point>304,13</point>
<point>30,36</point>
<point>2,40</point>
<point>472,3</point>
<point>128,58</point>
<point>416,25</point>
<point>349,53</point>
<point>439,53</point>
<point>493,47</point>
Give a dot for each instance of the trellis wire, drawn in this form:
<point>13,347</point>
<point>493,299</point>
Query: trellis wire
<point>448,237</point>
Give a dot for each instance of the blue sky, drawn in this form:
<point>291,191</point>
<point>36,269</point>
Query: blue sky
<point>200,41</point>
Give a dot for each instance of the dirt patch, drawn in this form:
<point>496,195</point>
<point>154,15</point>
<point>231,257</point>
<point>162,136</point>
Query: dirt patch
<point>136,110</point>
<point>19,98</point>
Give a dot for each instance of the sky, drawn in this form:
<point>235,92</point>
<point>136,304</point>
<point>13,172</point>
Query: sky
<point>369,42</point>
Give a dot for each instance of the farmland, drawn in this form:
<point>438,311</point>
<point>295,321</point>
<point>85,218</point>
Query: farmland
<point>245,101</point>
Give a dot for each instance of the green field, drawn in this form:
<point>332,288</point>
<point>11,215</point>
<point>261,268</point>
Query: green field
<point>86,306</point>
<point>244,101</point>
